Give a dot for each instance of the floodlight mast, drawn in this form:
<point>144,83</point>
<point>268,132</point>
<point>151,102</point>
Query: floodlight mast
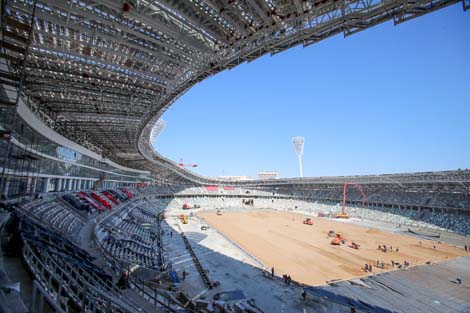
<point>299,149</point>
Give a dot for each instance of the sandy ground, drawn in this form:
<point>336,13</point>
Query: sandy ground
<point>280,240</point>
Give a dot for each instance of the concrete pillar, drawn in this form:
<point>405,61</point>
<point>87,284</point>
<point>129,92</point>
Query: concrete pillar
<point>35,184</point>
<point>46,185</point>
<point>6,185</point>
<point>29,184</point>
<point>58,184</point>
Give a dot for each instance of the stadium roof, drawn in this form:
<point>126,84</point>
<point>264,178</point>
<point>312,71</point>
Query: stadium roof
<point>102,72</point>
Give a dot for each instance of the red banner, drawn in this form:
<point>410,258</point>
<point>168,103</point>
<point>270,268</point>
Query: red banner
<point>212,188</point>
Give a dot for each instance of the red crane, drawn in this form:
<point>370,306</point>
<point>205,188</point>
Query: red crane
<point>181,164</point>
<point>343,213</point>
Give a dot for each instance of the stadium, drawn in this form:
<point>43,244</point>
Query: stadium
<point>94,219</point>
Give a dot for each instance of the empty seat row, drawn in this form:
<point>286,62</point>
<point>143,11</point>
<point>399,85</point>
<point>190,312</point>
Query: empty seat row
<point>53,213</point>
<point>130,251</point>
<point>67,273</point>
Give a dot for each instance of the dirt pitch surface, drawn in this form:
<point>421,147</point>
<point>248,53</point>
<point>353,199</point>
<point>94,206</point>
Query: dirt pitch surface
<point>281,240</point>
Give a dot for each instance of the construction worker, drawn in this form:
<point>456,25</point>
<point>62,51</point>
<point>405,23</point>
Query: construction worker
<point>393,263</point>
<point>272,272</point>
<point>184,274</point>
<point>378,263</point>
<point>466,248</point>
<point>123,281</point>
<point>304,295</point>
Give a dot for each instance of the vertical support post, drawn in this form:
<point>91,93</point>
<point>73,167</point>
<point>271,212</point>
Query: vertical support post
<point>6,185</point>
<point>343,210</point>
<point>33,300</point>
<point>41,304</point>
<point>46,184</point>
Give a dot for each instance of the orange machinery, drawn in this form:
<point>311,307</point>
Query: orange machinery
<point>338,240</point>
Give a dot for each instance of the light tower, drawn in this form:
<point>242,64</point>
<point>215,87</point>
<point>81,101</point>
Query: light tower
<point>299,149</point>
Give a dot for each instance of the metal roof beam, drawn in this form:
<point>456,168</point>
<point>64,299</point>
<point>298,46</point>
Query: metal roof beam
<point>156,24</point>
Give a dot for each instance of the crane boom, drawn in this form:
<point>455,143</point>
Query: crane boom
<point>345,188</point>
<point>181,164</point>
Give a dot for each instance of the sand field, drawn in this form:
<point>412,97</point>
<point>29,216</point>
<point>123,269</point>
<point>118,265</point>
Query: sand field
<point>281,240</point>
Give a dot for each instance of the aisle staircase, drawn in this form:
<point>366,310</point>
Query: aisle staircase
<point>199,267</point>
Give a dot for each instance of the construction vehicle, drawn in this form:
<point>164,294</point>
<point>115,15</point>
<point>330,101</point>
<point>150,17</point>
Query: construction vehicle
<point>338,240</point>
<point>188,206</point>
<point>343,213</point>
<point>308,221</point>
<point>354,245</point>
<point>184,219</point>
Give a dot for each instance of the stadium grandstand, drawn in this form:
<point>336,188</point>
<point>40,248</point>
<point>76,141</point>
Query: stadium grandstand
<point>93,219</point>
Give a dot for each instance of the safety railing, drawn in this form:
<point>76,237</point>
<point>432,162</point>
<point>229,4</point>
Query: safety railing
<point>154,296</point>
<point>40,297</point>
<point>63,286</point>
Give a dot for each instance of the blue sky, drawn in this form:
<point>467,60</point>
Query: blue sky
<point>386,100</point>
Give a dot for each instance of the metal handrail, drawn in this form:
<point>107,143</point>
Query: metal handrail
<point>140,287</point>
<point>137,284</point>
<point>44,295</point>
<point>87,296</point>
